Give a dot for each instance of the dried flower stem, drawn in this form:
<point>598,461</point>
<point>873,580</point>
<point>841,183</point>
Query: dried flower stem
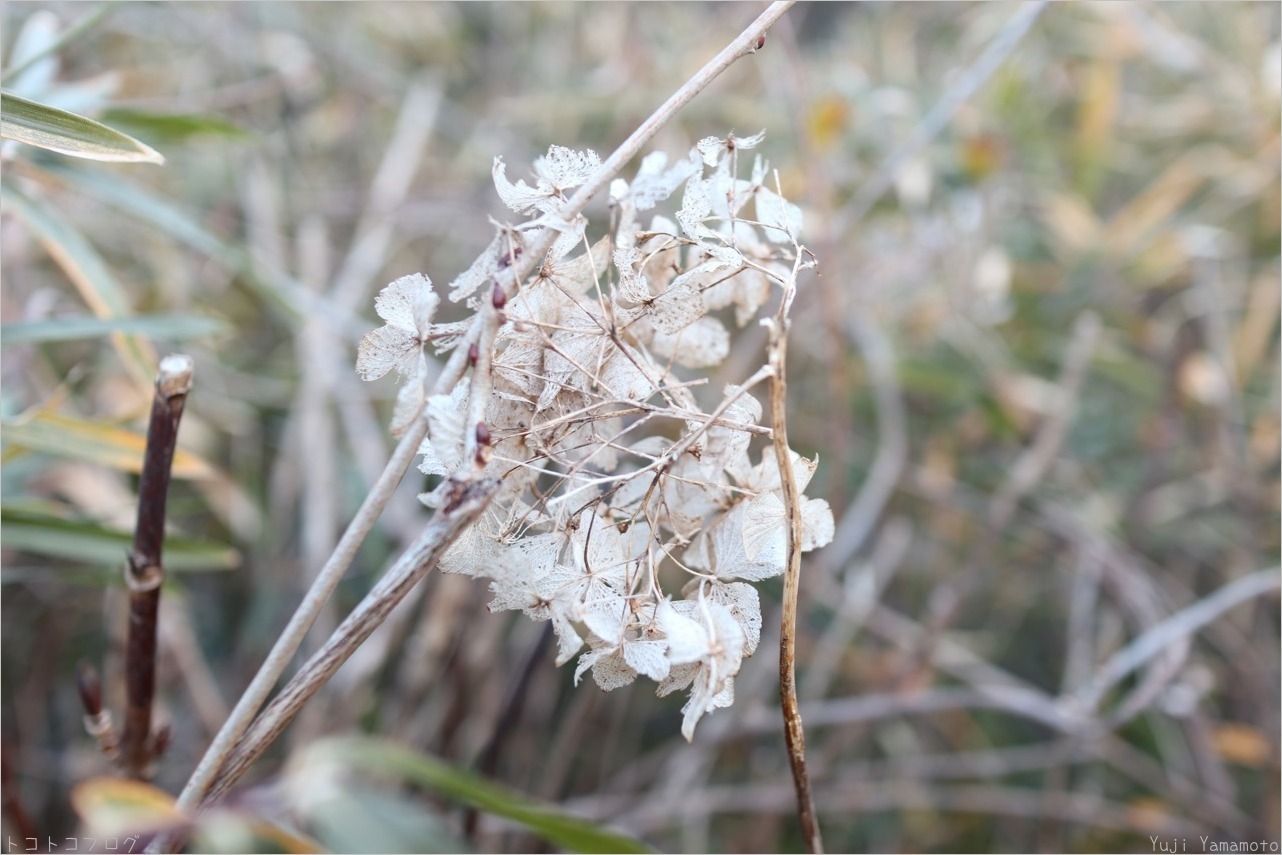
<point>253,698</point>
<point>194,793</point>
<point>144,570</point>
<point>794,734</point>
<point>745,43</point>
<point>470,499</point>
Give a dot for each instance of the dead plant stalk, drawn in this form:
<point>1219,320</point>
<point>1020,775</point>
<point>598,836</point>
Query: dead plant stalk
<point>794,734</point>
<point>231,740</point>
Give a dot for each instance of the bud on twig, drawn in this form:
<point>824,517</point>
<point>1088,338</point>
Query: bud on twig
<point>483,440</point>
<point>499,297</point>
<point>97,720</point>
<point>89,687</point>
<point>509,257</point>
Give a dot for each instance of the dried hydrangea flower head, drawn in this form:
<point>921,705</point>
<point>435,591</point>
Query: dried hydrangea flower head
<point>630,516</point>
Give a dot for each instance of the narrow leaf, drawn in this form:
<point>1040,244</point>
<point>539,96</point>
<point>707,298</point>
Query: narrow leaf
<point>94,442</point>
<point>97,286</point>
<point>120,807</point>
<point>68,133</point>
<point>277,288</point>
<point>546,821</point>
<point>170,327</point>
<point>45,533</point>
<point>171,127</point>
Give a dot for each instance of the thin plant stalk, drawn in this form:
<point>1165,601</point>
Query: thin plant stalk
<point>144,568</point>
<point>193,794</point>
<point>472,497</point>
<point>794,733</point>
<point>255,695</point>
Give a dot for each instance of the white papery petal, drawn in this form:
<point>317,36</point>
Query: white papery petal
<point>473,554</point>
<point>632,285</point>
<point>702,344</point>
<point>606,616</point>
<point>387,348</point>
<point>676,308</point>
<point>653,183</point>
<point>817,524</point>
<point>520,197</point>
<point>408,399</point>
<point>648,657</point>
<point>442,450</point>
<point>610,669</point>
<point>744,604</point>
<point>781,218</point>
<point>564,168</point>
<point>481,271</point>
<point>408,303</point>
<point>687,640</point>
<point>765,529</point>
<point>696,205</point>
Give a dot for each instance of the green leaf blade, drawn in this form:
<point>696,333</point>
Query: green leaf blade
<point>69,133</point>
<point>44,533</point>
<point>383,757</point>
<point>173,327</point>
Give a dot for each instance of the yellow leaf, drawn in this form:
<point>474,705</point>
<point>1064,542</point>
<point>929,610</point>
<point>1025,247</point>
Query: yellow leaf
<point>1153,207</point>
<point>224,830</point>
<point>1149,815</point>
<point>1072,222</point>
<point>828,120</point>
<point>1099,104</point>
<point>1242,744</point>
<point>981,155</point>
<point>1255,333</point>
<point>105,444</point>
<point>121,807</point>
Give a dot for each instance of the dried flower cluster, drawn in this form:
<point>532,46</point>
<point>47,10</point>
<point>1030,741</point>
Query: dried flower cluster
<point>618,490</point>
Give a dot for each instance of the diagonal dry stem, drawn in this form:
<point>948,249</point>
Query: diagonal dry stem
<point>794,735</point>
<point>194,793</point>
<point>416,562</point>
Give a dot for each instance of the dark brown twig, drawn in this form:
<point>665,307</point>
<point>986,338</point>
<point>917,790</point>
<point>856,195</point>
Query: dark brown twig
<point>510,714</point>
<point>144,570</point>
<point>14,811</point>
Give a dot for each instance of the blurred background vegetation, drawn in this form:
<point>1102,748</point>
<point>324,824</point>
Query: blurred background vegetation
<point>1040,371</point>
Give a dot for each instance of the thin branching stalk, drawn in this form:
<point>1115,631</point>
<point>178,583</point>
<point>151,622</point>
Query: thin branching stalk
<point>469,500</point>
<point>251,701</point>
<point>794,734</point>
<point>144,568</point>
<point>198,787</point>
<point>1173,629</point>
<point>749,41</point>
